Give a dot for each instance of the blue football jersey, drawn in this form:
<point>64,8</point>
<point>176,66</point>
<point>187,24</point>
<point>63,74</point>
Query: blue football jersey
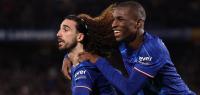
<point>87,80</point>
<point>150,65</point>
<point>152,59</point>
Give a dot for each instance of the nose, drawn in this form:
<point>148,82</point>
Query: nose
<point>114,24</point>
<point>58,34</point>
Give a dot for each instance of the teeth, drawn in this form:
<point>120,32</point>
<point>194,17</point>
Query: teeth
<point>59,40</point>
<point>116,31</point>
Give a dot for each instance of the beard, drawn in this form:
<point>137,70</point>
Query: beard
<point>67,47</point>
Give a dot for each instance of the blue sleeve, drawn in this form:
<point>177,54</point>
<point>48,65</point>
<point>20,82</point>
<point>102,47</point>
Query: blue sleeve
<point>150,69</point>
<point>152,58</point>
<point>128,86</point>
<point>82,82</point>
<point>81,91</point>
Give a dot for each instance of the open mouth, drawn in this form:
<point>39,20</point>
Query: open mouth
<point>60,41</point>
<point>117,32</point>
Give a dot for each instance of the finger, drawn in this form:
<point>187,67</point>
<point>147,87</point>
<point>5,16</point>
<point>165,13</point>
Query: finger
<point>66,73</point>
<point>66,66</point>
<point>83,56</point>
<point>68,76</point>
<point>81,53</point>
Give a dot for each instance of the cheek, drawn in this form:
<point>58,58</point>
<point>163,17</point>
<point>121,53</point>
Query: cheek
<point>68,36</point>
<point>129,30</point>
<point>70,39</point>
<point>127,26</point>
<point>132,27</point>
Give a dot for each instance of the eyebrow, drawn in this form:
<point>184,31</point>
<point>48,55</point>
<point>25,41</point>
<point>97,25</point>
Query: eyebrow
<point>66,26</point>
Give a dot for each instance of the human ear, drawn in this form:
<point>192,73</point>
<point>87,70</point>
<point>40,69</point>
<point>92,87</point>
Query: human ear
<point>140,23</point>
<point>80,37</point>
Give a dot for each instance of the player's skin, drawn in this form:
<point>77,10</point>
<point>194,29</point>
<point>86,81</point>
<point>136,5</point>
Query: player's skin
<point>70,39</point>
<point>126,26</point>
<point>86,79</point>
<point>66,68</point>
<point>67,37</point>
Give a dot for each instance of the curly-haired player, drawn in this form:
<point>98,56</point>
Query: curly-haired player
<point>145,56</point>
<point>78,34</point>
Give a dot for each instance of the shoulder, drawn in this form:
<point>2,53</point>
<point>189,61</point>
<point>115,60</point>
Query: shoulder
<point>154,46</point>
<point>153,50</point>
<point>85,70</point>
<point>151,56</point>
<point>82,78</point>
<point>85,65</point>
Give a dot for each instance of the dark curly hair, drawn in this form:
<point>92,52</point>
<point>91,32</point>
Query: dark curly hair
<point>101,40</point>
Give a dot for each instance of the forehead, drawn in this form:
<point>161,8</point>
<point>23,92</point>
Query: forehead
<point>69,23</point>
<point>122,11</point>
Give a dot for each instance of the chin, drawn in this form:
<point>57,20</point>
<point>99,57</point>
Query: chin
<point>118,39</point>
<point>60,48</point>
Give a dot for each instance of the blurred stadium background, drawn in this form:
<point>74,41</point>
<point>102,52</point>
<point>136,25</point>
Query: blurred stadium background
<point>30,62</point>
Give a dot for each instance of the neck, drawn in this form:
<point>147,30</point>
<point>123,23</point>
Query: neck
<point>73,54</point>
<point>135,44</point>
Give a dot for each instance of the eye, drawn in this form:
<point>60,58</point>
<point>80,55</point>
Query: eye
<point>120,19</point>
<point>65,28</point>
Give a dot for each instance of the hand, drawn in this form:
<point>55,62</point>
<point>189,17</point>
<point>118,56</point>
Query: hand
<point>66,66</point>
<point>86,56</point>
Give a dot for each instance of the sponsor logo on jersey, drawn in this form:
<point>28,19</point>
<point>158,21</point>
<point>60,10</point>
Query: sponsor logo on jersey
<point>80,77</point>
<point>81,72</point>
<point>145,60</point>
